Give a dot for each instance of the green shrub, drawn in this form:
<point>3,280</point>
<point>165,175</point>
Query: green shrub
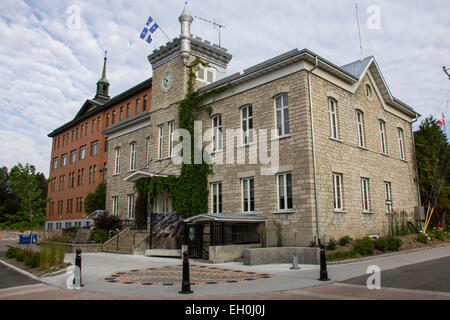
<point>12,252</point>
<point>345,240</point>
<point>331,244</point>
<point>99,236</point>
<point>20,255</point>
<point>43,261</point>
<point>381,244</point>
<point>393,244</point>
<point>439,233</point>
<point>342,255</point>
<point>32,259</point>
<point>364,246</point>
<point>422,237</point>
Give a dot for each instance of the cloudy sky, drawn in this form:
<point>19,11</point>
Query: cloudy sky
<point>51,52</point>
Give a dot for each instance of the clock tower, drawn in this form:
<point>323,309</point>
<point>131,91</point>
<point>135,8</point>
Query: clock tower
<point>170,64</point>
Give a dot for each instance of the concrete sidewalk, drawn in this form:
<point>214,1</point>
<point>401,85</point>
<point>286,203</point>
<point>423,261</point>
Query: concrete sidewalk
<point>96,266</point>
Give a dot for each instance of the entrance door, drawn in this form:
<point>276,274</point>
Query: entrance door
<point>195,243</point>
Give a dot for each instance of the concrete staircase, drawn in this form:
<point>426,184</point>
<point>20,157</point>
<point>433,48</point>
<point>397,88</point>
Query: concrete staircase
<point>128,242</point>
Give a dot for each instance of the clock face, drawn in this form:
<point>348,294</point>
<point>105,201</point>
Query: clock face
<point>167,80</point>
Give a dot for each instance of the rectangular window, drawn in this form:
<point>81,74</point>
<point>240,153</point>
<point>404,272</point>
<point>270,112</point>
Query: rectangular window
<point>82,129</point>
<point>73,132</point>
<point>133,156</point>
<point>128,111</point>
<point>360,128</point>
<point>248,195</point>
<point>130,210</point>
<point>217,133</point>
<point>87,129</point>
<point>247,125</point>
<point>99,120</point>
<point>144,106</point>
<point>94,148</point>
<point>388,196</point>
<point>282,115</point>
<point>332,112</point>
<point>383,137</point>
<point>94,175</point>
<point>73,156</point>
<point>138,106</point>
<point>216,197</point>
<point>147,151</point>
<point>55,163</point>
<point>121,114</point>
<point>93,125</point>
<point>90,174</point>
<point>115,206</point>
<point>160,141</point>
<point>337,187</point>
<point>82,176</point>
<point>76,134</point>
<point>401,144</point>
<point>113,118</point>
<point>117,162</point>
<point>171,133</point>
<point>107,120</point>
<point>82,152</point>
<point>64,158</point>
<point>365,194</point>
<point>284,186</point>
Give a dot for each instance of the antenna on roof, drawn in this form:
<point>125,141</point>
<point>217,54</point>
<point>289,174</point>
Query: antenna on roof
<point>359,31</point>
<point>215,25</point>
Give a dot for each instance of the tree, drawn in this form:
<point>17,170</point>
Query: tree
<point>97,200</point>
<point>24,183</point>
<point>433,154</point>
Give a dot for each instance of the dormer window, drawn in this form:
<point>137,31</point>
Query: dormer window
<point>206,75</point>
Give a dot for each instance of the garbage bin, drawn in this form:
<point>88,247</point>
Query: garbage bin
<point>25,238</point>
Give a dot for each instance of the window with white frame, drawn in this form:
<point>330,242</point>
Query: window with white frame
<point>360,128</point>
<point>171,133</point>
<point>94,148</point>
<point>284,186</point>
<point>216,197</point>
<point>388,196</point>
<point>130,208</point>
<point>332,112</point>
<point>365,194</point>
<point>247,124</point>
<point>64,160</point>
<point>115,206</point>
<point>248,195</point>
<point>206,75</point>
<point>132,156</point>
<point>117,161</point>
<point>73,156</point>
<point>282,114</point>
<point>160,141</point>
<point>82,152</point>
<point>217,133</point>
<point>383,137</point>
<point>401,144</point>
<point>147,151</point>
<point>55,163</point>
<point>337,187</point>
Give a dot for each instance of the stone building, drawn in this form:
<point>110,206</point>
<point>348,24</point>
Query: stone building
<point>345,156</point>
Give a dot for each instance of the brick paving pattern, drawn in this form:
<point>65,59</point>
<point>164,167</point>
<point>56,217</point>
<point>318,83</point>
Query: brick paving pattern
<point>172,275</point>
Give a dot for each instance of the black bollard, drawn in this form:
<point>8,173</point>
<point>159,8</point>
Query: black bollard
<point>78,264</point>
<point>186,284</point>
<point>323,264</point>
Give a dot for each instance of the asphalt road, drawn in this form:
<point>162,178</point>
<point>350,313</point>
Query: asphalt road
<point>433,275</point>
<point>10,278</point>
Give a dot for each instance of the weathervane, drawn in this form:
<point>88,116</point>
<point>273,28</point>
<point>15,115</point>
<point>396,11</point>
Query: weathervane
<point>216,25</point>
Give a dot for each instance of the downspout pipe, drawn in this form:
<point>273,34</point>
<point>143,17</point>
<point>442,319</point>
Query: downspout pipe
<point>316,194</point>
<point>415,160</point>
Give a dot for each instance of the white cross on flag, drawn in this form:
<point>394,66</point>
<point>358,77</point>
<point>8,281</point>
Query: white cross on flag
<point>150,27</point>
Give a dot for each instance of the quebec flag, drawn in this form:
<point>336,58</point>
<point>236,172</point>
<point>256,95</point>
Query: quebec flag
<point>150,27</point>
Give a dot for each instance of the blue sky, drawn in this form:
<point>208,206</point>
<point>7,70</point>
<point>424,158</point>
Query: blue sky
<point>48,68</point>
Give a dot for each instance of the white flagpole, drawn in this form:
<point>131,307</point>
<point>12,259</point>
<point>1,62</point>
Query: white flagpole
<point>359,31</point>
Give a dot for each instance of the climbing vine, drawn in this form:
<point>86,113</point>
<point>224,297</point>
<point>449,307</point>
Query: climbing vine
<point>189,191</point>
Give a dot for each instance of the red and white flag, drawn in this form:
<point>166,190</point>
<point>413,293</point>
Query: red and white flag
<point>441,122</point>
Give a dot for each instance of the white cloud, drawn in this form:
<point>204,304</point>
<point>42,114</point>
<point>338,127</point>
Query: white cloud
<point>48,71</point>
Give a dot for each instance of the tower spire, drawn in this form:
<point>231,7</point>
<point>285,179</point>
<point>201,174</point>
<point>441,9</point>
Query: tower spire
<point>185,20</point>
<point>104,67</point>
<point>103,84</point>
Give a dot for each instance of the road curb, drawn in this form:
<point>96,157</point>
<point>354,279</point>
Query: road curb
<point>30,275</point>
<point>386,255</point>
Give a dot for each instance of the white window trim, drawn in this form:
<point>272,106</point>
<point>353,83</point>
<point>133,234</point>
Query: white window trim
<point>388,196</point>
<point>284,192</point>
<point>383,139</point>
<point>338,177</point>
<point>206,69</point>
<point>401,142</point>
<point>248,192</point>
<point>360,128</point>
<point>171,134</point>
<point>217,136</point>
<point>130,206</point>
<point>115,206</point>
<point>147,151</point>
<point>215,194</point>
<point>132,156</point>
<point>334,132</point>
<point>283,129</point>
<point>117,161</point>
<point>365,191</point>
<point>249,133</point>
<point>160,141</point>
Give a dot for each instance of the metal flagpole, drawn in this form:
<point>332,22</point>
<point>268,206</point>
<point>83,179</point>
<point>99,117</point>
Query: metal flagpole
<point>359,31</point>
